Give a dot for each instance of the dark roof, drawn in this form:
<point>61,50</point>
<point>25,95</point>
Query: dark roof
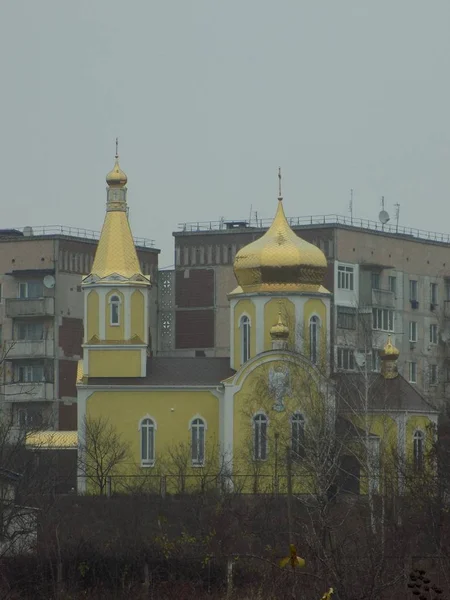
<point>383,394</point>
<point>175,371</point>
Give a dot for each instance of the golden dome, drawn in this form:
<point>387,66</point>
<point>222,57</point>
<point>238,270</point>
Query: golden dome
<point>280,261</point>
<point>390,352</point>
<point>116,178</point>
<point>280,331</point>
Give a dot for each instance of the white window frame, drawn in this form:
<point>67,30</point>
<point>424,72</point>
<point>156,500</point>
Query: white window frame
<point>297,441</point>
<point>413,290</point>
<point>314,339</point>
<point>196,424</point>
<point>393,284</point>
<point>144,425</point>
<point>383,319</point>
<point>345,358</point>
<point>258,448</point>
<point>418,449</point>
<point>346,277</point>
<point>28,373</point>
<point>434,293</point>
<point>25,285</point>
<point>412,366</point>
<point>245,326</point>
<point>112,301</point>
<point>434,334</point>
<point>413,331</point>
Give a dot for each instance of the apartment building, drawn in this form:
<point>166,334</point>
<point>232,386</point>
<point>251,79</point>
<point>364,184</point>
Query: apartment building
<point>383,279</point>
<point>41,320</point>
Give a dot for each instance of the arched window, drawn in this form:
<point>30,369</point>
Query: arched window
<point>297,435</point>
<point>260,437</point>
<point>114,302</point>
<point>244,324</point>
<point>418,449</point>
<point>314,325</point>
<point>148,428</point>
<point>198,441</point>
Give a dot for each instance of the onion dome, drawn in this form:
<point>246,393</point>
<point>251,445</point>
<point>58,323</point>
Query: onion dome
<point>389,356</point>
<point>116,178</point>
<point>280,331</point>
<point>280,261</point>
<point>389,352</point>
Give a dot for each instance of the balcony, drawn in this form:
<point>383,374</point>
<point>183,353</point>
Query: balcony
<point>28,392</point>
<point>447,309</point>
<point>384,298</point>
<point>29,349</point>
<point>30,307</point>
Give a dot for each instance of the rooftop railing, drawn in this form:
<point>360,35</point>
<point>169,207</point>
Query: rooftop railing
<point>393,229</point>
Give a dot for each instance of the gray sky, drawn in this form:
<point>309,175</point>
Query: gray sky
<point>208,97</point>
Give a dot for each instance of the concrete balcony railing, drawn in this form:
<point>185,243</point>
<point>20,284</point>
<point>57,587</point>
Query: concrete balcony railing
<point>28,392</point>
<point>28,349</point>
<point>384,298</point>
<point>30,307</point>
<point>447,309</point>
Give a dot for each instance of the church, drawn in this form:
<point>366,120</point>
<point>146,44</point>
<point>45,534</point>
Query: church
<point>273,408</point>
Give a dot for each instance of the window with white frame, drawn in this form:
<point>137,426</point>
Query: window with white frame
<point>418,450</point>
<point>433,293</point>
<point>393,284</point>
<point>27,330</point>
<point>433,374</point>
<point>244,325</point>
<point>413,331</point>
<point>376,360</point>
<point>297,435</point>
<point>345,277</point>
<point>30,373</point>
<point>433,334</point>
<point>346,317</point>
<point>412,372</point>
<point>413,290</point>
<point>198,427</point>
<point>114,303</point>
<point>147,428</point>
<point>260,436</point>
<point>383,319</point>
<point>29,417</point>
<point>345,359</point>
<point>376,280</point>
<point>447,289</point>
<point>314,326</point>
<point>31,289</point>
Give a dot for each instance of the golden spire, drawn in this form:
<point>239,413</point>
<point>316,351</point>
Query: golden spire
<point>116,178</point>
<point>279,331</point>
<point>389,356</point>
<point>280,260</point>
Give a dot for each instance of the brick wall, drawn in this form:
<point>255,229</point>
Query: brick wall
<point>71,336</point>
<point>194,328</point>
<point>67,379</point>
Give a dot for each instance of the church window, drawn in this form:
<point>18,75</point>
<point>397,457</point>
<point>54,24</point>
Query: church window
<point>147,428</point>
<point>297,435</point>
<point>260,437</point>
<point>245,338</point>
<point>198,442</point>
<point>314,325</point>
<point>418,443</point>
<point>115,310</point>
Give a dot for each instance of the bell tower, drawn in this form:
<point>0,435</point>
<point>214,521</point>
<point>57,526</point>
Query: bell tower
<point>115,294</point>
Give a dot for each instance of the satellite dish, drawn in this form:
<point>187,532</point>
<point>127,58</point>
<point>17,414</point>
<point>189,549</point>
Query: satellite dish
<point>384,217</point>
<point>360,358</point>
<point>49,281</point>
<point>28,231</point>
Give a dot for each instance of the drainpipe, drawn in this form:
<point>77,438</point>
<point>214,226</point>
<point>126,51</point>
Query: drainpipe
<point>56,335</point>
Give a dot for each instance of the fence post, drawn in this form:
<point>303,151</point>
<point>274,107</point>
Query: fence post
<point>108,486</point>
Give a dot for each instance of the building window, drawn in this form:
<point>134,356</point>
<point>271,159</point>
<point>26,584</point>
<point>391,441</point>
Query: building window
<point>433,293</point>
<point>345,359</point>
<point>374,464</point>
<point>413,294</point>
<point>260,437</point>
<point>376,360</point>
<point>198,442</point>
<point>418,449</point>
<point>433,334</point>
<point>147,427</point>
<point>376,280</point>
<point>346,317</point>
<point>433,374</point>
<point>115,310</point>
<point>29,418</point>
<point>31,289</point>
<point>447,289</point>
<point>383,319</point>
<point>412,372</point>
<point>314,326</point>
<point>1,295</point>
<point>345,278</point>
<point>297,435</point>
<point>30,373</point>
<point>244,325</point>
<point>393,284</point>
<point>413,331</point>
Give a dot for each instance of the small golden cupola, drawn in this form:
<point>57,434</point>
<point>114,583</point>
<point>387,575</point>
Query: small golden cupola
<point>280,261</point>
<point>389,356</point>
<point>279,334</point>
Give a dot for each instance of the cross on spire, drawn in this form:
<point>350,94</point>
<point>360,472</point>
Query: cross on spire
<point>117,147</point>
<point>280,197</point>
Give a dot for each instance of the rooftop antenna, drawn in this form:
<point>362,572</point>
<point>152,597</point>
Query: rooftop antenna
<point>397,215</point>
<point>350,206</point>
<point>117,147</point>
<point>384,215</point>
<point>280,197</point>
<point>251,212</point>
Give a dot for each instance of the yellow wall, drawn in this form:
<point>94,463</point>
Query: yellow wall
<point>124,410</point>
<point>92,316</point>
<point>247,307</point>
<point>315,306</point>
<point>114,332</point>
<point>137,314</point>
<point>114,363</point>
<point>271,311</point>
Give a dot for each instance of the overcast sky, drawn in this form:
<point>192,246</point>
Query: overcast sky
<point>209,97</point>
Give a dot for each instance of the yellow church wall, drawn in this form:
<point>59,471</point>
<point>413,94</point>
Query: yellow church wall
<point>92,316</point>
<point>315,306</point>
<point>172,411</point>
<point>137,314</point>
<point>244,306</point>
<point>114,332</point>
<point>271,311</point>
<point>114,363</point>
